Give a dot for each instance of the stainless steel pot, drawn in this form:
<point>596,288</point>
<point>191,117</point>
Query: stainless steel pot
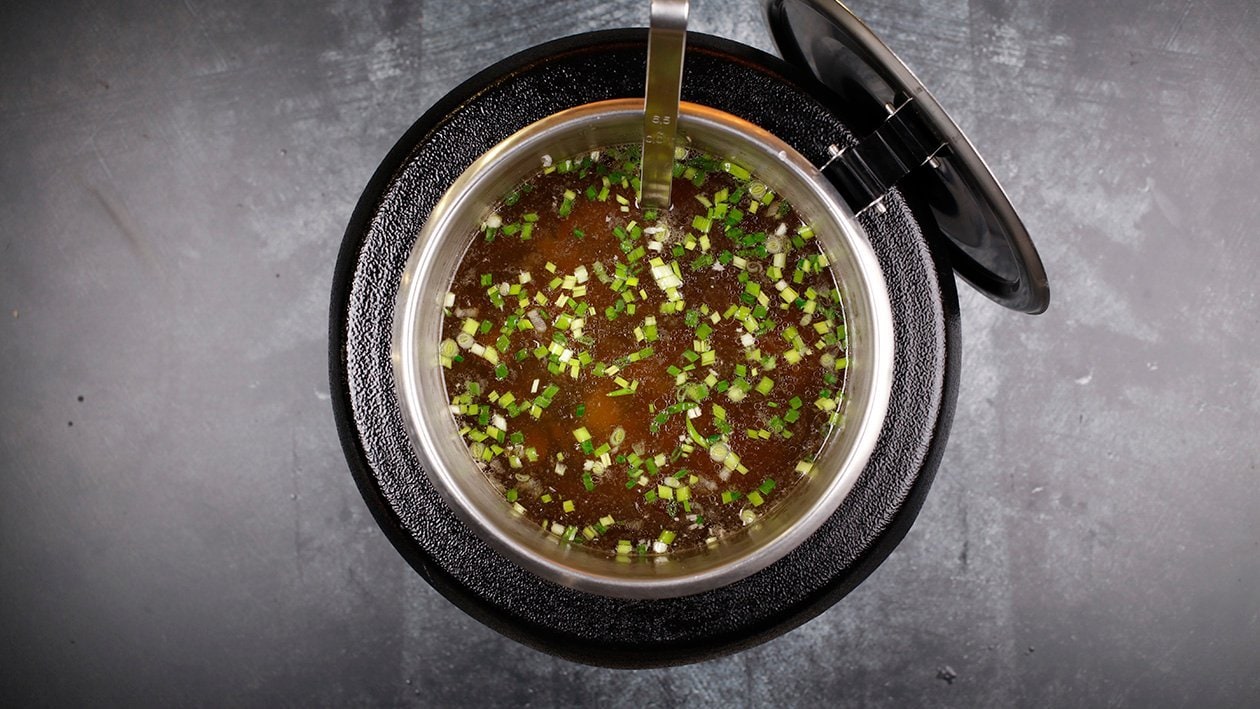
<point>444,455</point>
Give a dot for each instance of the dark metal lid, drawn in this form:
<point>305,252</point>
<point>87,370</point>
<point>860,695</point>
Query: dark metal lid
<point>906,138</point>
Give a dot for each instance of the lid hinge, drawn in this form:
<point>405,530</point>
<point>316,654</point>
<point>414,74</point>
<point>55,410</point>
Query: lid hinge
<point>863,173</point>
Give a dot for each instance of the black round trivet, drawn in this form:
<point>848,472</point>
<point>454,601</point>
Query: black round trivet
<point>581,626</point>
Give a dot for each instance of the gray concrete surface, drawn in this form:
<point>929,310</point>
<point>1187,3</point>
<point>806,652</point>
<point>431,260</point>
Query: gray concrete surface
<point>177,523</point>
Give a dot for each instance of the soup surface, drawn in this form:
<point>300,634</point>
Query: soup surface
<point>644,382</point>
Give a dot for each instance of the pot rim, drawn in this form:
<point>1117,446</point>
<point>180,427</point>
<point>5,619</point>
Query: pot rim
<point>463,486</point>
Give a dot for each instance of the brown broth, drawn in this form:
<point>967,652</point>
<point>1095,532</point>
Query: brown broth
<point>666,486</point>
